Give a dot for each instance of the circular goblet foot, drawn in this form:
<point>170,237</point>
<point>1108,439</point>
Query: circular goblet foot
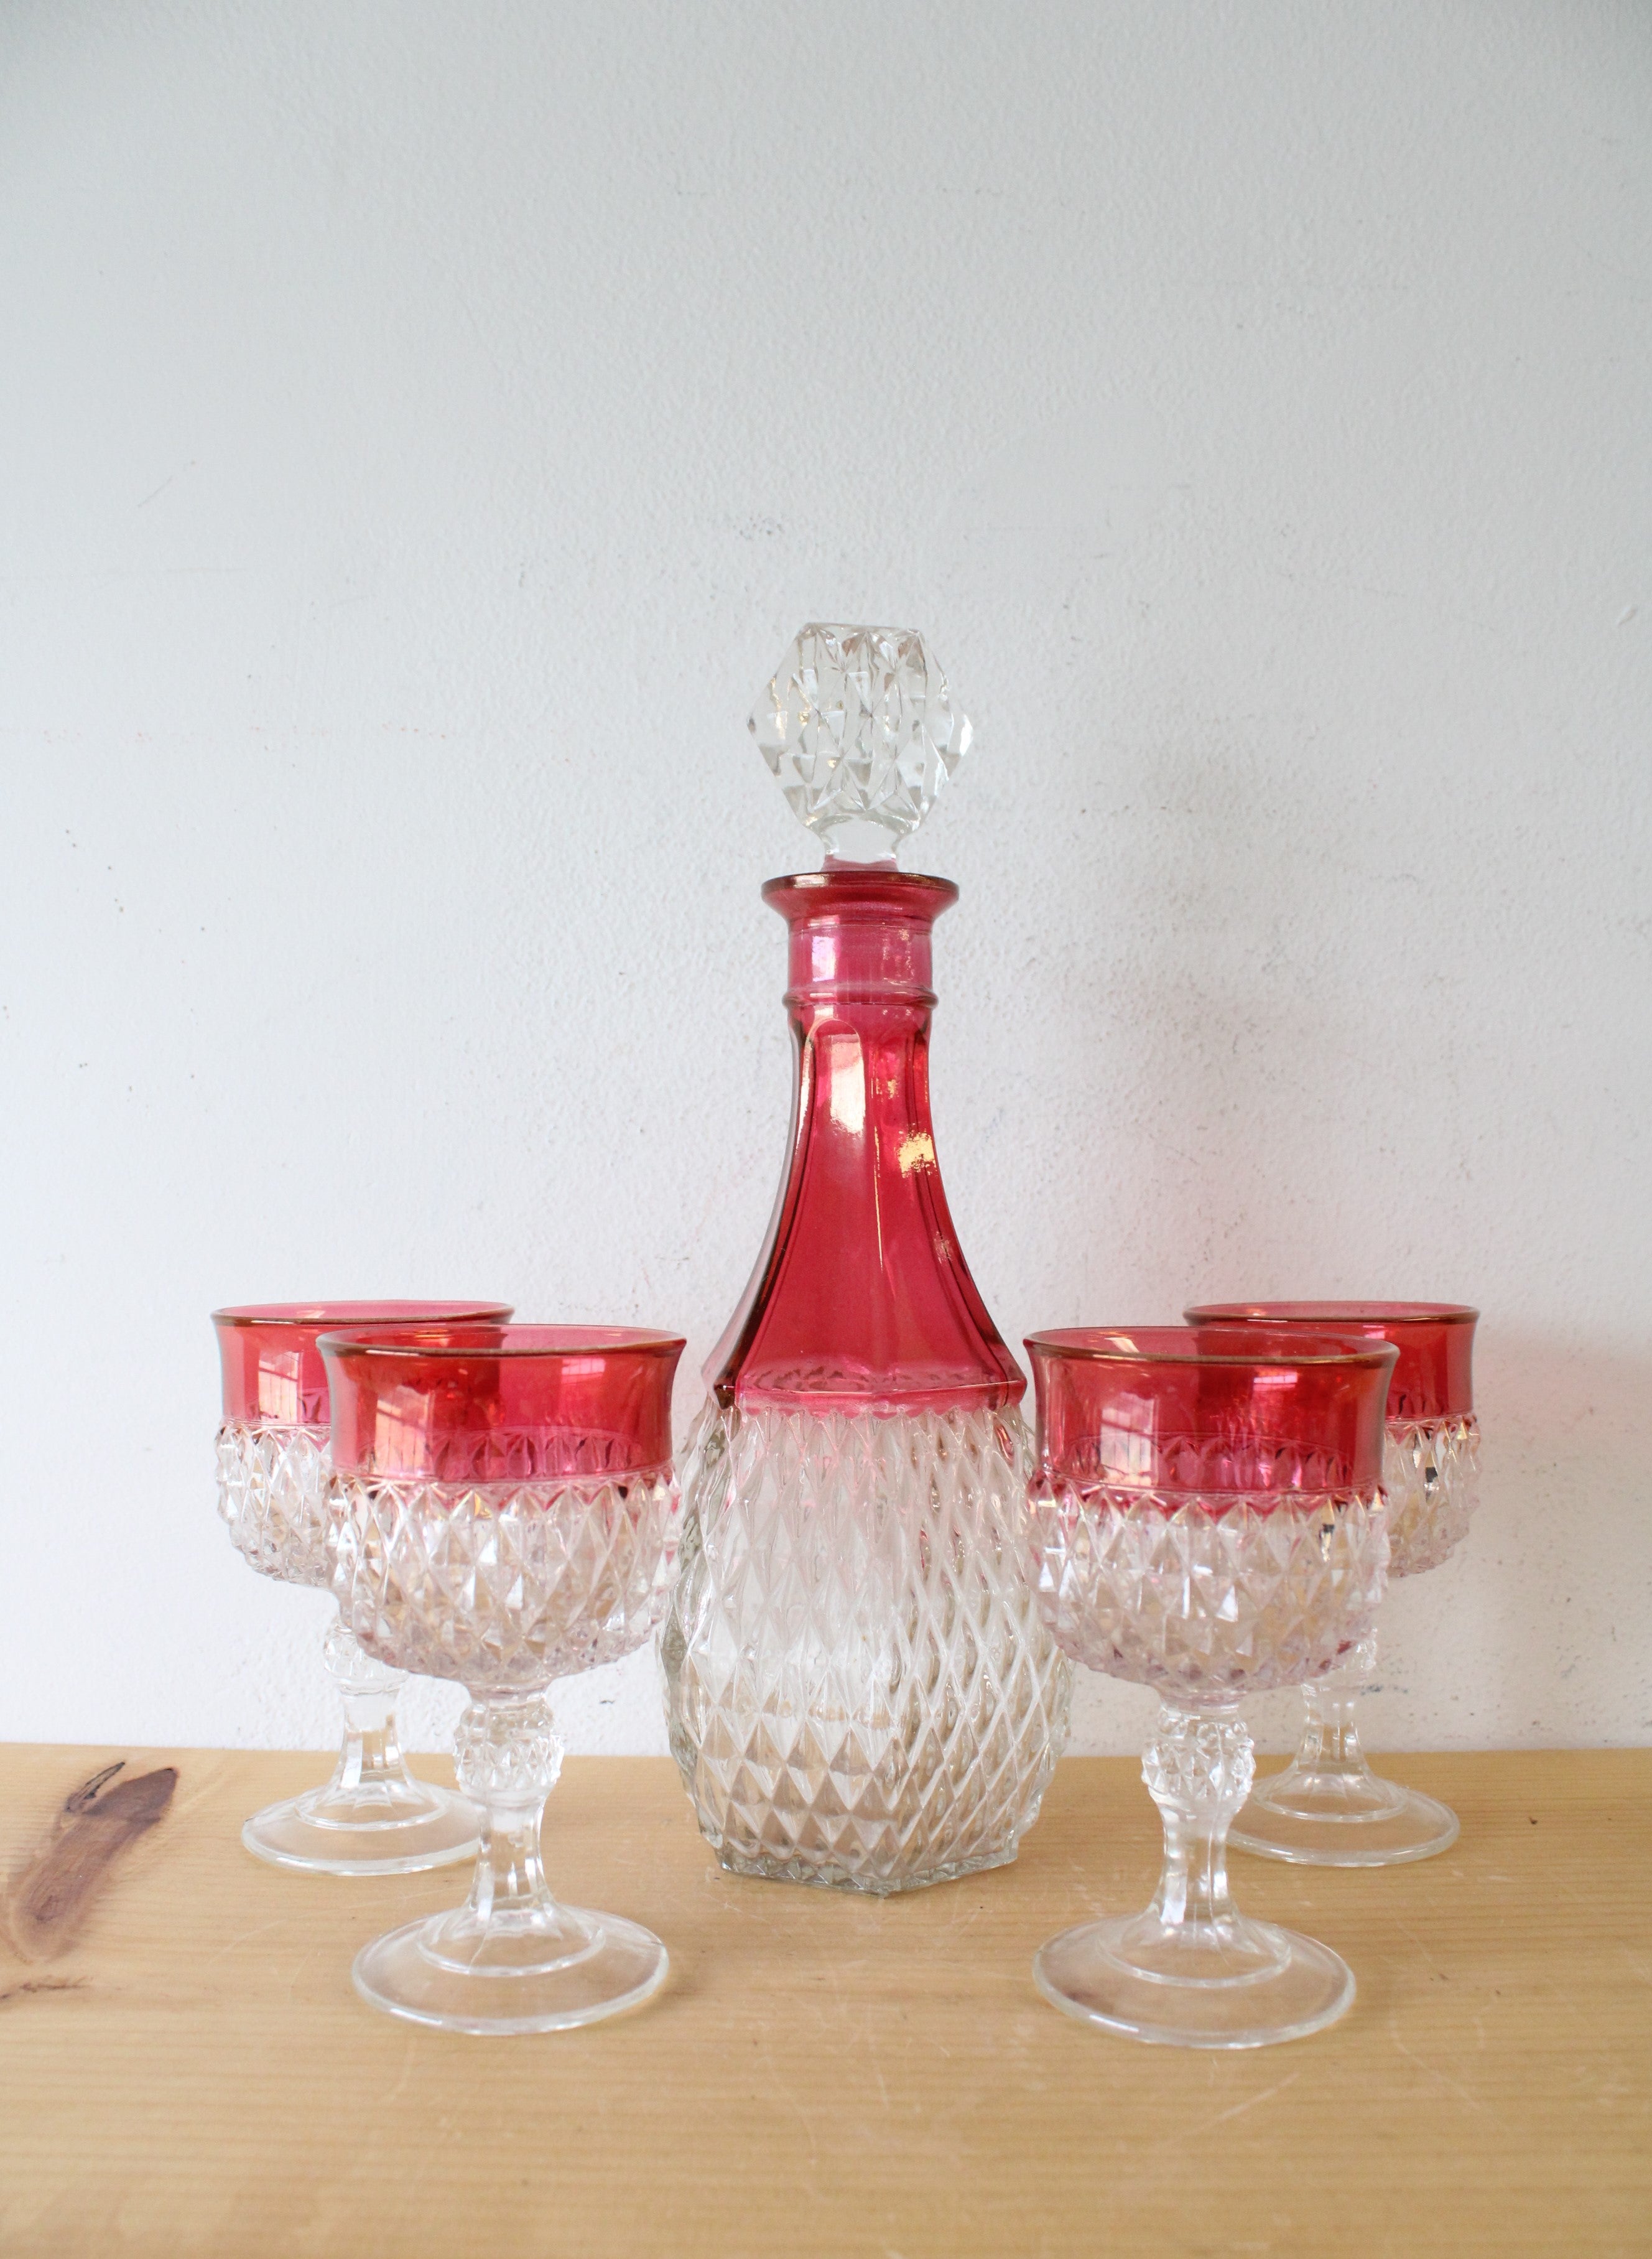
<point>1341,1820</point>
<point>1248,1986</point>
<point>394,1828</point>
<point>546,1975</point>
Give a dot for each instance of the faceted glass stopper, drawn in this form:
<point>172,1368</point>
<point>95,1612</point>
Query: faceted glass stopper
<point>859,728</point>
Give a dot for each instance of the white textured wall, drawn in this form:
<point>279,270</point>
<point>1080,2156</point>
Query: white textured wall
<point>421,428</point>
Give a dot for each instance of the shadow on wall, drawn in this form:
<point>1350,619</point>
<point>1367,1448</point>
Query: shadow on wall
<point>1227,1007</point>
<point>1556,1577</point>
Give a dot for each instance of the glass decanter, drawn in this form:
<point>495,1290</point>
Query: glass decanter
<point>859,1691</point>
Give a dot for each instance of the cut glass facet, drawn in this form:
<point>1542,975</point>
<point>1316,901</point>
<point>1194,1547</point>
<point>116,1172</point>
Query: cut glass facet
<point>859,1691</point>
<point>1431,1473</point>
<point>859,728</point>
<point>1205,1597</point>
<point>272,1497</point>
<point>503,1585</point>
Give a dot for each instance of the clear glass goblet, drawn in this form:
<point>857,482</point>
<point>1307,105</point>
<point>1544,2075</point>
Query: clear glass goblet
<point>503,1511</point>
<point>372,1817</point>
<point>1327,1808</point>
<point>1206,1518</point>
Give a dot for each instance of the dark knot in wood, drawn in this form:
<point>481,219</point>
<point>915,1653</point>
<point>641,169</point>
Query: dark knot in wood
<point>53,1890</point>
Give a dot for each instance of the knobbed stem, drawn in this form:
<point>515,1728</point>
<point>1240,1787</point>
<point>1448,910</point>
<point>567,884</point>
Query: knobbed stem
<point>1330,1748</point>
<point>371,1773</point>
<point>372,1817</point>
<point>1327,1807</point>
<point>508,1757</point>
<point>1328,1779</point>
<point>1198,1767</point>
<point>1191,1970</point>
<point>371,1751</point>
<point>510,1958</point>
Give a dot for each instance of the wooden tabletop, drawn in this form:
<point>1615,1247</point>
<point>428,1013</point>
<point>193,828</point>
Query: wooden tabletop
<point>184,2067</point>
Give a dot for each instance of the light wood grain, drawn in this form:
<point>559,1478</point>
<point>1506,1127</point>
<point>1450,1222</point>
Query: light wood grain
<point>833,2076</point>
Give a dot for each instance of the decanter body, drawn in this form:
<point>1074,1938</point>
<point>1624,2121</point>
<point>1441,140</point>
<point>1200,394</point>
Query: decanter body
<point>859,1689</point>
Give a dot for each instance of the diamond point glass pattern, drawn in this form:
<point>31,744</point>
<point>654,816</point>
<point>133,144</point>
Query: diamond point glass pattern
<point>1431,1471</point>
<point>859,728</point>
<point>860,1693</point>
<point>272,1497</point>
<point>503,1585</point>
<point>1203,1596</point>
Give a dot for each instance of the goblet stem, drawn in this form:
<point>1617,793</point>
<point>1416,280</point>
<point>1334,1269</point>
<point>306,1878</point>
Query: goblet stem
<point>372,1817</point>
<point>1198,1767</point>
<point>508,1757</point>
<point>370,1755</point>
<point>1330,1747</point>
<point>1327,1807</point>
<point>1192,1971</point>
<point>510,1959</point>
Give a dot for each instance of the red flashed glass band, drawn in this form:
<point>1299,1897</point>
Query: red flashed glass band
<point>465,1404</point>
<point>861,1299</point>
<point>1434,1378</point>
<point>272,1371</point>
<point>1210,1409</point>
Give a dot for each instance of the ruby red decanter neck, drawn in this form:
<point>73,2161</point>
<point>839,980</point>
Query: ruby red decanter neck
<point>861,1299</point>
